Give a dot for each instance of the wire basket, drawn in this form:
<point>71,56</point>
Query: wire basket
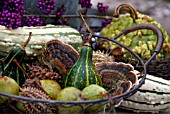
<point>102,104</point>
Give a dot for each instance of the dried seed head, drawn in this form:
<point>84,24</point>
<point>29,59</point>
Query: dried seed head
<point>40,71</point>
<point>99,56</point>
<point>36,107</point>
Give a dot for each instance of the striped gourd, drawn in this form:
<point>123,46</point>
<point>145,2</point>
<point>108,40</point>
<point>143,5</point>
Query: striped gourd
<point>12,70</point>
<point>153,96</point>
<point>40,35</point>
<point>83,72</point>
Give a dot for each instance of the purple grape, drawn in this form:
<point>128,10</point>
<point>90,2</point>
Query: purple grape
<point>62,22</point>
<point>16,6</point>
<point>10,19</point>
<point>102,8</point>
<point>106,21</point>
<point>46,6</point>
<point>11,12</point>
<point>85,3</point>
<point>33,21</point>
<point>60,11</point>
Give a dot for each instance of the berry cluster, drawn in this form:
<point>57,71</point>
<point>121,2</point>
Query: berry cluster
<point>10,19</point>
<point>60,11</point>
<point>62,22</point>
<point>46,6</point>
<point>11,12</point>
<point>85,3</point>
<point>33,21</point>
<point>16,6</point>
<point>106,21</point>
<point>102,8</point>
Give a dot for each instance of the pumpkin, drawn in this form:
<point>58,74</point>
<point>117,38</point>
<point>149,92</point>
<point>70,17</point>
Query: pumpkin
<point>141,42</point>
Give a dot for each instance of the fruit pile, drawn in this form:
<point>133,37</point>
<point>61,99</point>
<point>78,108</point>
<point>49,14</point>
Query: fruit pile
<point>141,42</point>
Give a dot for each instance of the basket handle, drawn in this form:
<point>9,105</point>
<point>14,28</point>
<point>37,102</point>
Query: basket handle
<point>126,7</point>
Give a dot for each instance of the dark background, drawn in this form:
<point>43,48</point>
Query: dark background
<point>159,9</point>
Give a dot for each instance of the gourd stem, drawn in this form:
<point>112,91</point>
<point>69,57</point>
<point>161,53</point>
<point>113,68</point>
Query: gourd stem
<point>2,67</point>
<point>127,7</point>
<point>16,62</point>
<point>27,41</point>
<point>88,28</point>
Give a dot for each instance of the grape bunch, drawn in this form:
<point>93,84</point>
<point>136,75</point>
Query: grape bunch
<point>10,19</point>
<point>106,21</point>
<point>85,3</point>
<point>46,6</point>
<point>101,8</point>
<point>60,11</point>
<point>63,22</point>
<point>11,12</point>
<point>60,20</point>
<point>33,21</point>
<point>16,6</point>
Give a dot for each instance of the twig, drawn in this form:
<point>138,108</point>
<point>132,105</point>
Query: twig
<point>74,16</point>
<point>16,62</point>
<point>90,31</point>
<point>27,41</point>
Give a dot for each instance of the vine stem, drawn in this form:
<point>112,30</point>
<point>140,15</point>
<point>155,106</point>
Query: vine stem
<point>16,62</point>
<point>73,16</point>
<point>27,41</point>
<point>88,28</point>
<point>126,7</point>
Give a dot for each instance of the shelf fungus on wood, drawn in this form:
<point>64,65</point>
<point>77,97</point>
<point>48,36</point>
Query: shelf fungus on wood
<point>59,56</point>
<point>117,77</point>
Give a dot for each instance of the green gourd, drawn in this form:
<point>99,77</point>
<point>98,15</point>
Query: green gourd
<point>83,72</point>
<point>12,70</point>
